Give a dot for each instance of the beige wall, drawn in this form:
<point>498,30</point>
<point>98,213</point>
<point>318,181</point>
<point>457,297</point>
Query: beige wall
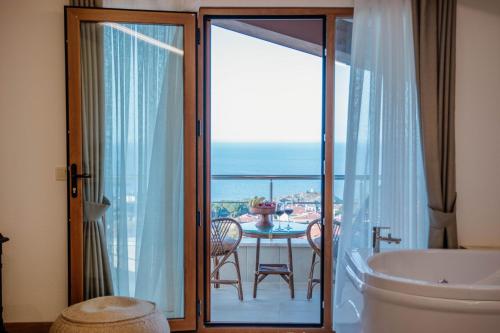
<point>478,121</point>
<point>32,143</point>
<point>193,5</point>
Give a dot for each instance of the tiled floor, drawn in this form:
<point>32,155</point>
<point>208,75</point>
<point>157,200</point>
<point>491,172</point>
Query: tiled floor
<point>272,305</point>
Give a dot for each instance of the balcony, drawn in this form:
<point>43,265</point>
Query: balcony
<point>273,292</point>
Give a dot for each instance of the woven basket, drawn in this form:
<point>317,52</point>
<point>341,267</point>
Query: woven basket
<point>111,314</point>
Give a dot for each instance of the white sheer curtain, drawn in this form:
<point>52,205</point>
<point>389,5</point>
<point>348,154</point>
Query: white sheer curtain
<point>144,163</point>
<point>161,255</point>
<point>385,183</point>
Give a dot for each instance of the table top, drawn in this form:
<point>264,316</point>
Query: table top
<point>296,230</point>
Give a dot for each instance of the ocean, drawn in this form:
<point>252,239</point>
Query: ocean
<point>270,159</point>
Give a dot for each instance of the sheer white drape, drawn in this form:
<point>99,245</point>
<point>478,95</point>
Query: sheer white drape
<point>385,182</point>
<point>161,254</point>
<point>144,162</point>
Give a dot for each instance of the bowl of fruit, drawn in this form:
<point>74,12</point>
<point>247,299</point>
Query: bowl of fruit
<point>259,206</point>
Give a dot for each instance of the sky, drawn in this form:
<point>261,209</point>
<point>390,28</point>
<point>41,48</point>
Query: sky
<point>264,92</point>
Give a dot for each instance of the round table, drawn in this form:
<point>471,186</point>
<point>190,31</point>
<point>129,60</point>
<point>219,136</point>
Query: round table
<point>283,230</point>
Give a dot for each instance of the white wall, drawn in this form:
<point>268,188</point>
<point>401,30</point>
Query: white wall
<point>478,122</point>
<point>32,143</point>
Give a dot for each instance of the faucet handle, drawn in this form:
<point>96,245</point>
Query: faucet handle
<point>380,228</point>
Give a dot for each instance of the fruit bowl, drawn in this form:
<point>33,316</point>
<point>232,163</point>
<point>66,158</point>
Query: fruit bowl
<point>259,206</point>
<point>263,210</point>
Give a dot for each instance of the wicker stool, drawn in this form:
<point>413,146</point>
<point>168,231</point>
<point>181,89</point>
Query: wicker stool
<point>111,314</point>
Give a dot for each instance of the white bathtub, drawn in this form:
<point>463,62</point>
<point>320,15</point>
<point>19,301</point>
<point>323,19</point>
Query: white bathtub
<point>405,291</point>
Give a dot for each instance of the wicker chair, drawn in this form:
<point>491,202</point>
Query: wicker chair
<point>315,243</point>
<point>225,236</point>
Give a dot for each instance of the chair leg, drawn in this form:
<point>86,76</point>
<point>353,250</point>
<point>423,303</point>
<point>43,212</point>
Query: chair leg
<point>291,278</point>
<point>311,277</point>
<point>256,274</point>
<point>217,274</point>
<point>238,274</point>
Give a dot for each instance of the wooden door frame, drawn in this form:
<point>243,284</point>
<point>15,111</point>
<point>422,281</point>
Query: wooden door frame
<point>204,172</point>
<point>74,16</point>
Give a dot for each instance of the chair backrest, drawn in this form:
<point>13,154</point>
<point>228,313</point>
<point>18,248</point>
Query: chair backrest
<point>221,231</point>
<point>314,225</point>
<point>313,240</point>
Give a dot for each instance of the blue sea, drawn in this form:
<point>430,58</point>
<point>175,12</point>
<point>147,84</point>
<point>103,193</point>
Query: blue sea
<point>270,159</point>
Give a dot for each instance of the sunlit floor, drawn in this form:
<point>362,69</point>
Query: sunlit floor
<point>272,305</point>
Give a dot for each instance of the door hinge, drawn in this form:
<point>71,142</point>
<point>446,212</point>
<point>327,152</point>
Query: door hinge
<point>198,218</point>
<point>198,128</point>
<point>198,36</point>
<point>198,308</point>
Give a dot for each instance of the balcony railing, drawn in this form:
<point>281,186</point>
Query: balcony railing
<point>235,205</point>
<point>272,178</point>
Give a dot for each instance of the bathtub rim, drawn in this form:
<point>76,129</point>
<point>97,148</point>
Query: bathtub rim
<point>462,292</point>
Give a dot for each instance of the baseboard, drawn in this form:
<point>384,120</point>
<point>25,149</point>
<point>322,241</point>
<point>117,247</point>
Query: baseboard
<point>27,327</point>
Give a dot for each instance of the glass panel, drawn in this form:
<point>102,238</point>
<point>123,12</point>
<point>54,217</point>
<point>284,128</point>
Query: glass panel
<point>343,35</point>
<point>343,31</point>
<point>132,114</point>
<point>266,92</point>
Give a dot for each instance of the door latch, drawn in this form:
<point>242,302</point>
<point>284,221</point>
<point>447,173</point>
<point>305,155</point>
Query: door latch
<point>74,179</point>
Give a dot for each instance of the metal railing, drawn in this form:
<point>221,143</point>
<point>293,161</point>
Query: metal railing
<point>271,178</point>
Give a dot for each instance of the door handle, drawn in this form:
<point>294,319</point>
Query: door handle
<point>74,179</point>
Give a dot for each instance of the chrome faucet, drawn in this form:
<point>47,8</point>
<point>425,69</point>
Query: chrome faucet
<point>377,238</point>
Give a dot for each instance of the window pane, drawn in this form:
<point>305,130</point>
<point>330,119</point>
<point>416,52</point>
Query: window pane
<point>132,111</point>
<point>266,109</point>
<point>343,34</point>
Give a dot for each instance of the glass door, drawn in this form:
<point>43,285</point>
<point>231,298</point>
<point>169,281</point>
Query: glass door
<point>269,227</point>
<point>132,158</point>
<point>266,181</point>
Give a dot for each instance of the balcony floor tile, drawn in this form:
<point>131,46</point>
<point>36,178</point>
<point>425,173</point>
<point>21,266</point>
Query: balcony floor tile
<point>272,305</point>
